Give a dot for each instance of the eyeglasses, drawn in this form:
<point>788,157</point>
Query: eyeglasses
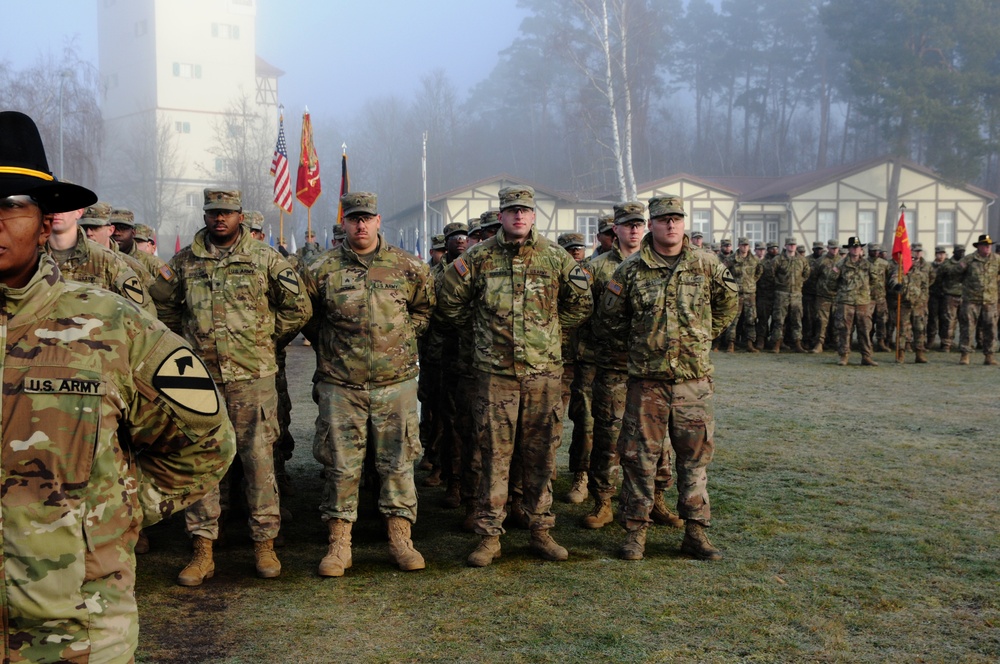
<point>360,219</point>
<point>17,207</point>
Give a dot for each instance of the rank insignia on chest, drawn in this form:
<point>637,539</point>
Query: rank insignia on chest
<point>461,267</point>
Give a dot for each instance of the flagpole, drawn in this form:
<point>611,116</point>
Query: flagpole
<point>899,297</point>
<point>424,166</point>
<point>281,227</point>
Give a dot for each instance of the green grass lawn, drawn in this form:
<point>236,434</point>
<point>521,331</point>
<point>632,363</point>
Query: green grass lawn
<point>857,509</point>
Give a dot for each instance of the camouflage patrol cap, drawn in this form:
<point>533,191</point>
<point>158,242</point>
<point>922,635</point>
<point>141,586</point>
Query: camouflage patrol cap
<point>489,219</point>
<point>255,220</point>
<point>571,240</point>
<point>800,249</point>
<point>726,242</point>
<point>958,247</point>
<point>143,233</point>
<point>98,214</point>
<point>790,240</point>
<point>520,196</point>
<point>122,217</point>
<point>917,247</point>
<point>454,228</point>
<point>759,245</point>
<point>437,242</point>
<point>223,199</point>
<point>474,229</point>
<point>696,235</point>
<point>629,211</point>
<point>661,205</point>
<point>874,246</point>
<point>772,245</point>
<point>743,241</point>
<point>339,232</point>
<point>940,249</point>
<point>817,245</point>
<point>359,202</point>
<point>831,243</point>
<point>605,223</point>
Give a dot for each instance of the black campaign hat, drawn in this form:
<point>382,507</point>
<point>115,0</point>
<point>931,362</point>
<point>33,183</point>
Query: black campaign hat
<point>853,242</point>
<point>24,169</point>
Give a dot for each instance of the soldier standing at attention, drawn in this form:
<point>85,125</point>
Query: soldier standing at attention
<point>667,301</point>
<point>235,300</point>
<point>605,235</point>
<point>979,299</point>
<point>826,293</point>
<point>123,221</point>
<point>880,315</point>
<point>109,423</point>
<point>951,274</point>
<point>765,294</point>
<point>310,249</point>
<point>746,269</point>
<point>372,301</point>
<point>914,292</point>
<point>518,290</point>
<point>790,272</point>
<point>936,302</point>
<point>145,240</point>
<point>852,276</point>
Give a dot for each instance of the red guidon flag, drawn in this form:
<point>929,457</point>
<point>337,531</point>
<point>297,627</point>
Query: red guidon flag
<point>307,184</point>
<point>901,245</point>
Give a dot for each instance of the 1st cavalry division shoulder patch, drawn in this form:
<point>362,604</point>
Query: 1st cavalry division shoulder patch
<point>579,278</point>
<point>289,281</point>
<point>132,289</point>
<point>184,380</point>
<point>730,281</point>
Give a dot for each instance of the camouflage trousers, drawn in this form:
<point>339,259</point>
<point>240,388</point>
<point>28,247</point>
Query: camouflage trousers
<point>810,303</point>
<point>348,420</point>
<point>851,318</point>
<point>787,306</point>
<point>453,432</point>
<point>286,444</point>
<point>525,414</point>
<point>824,314</point>
<point>429,393</point>
<point>253,409</point>
<point>660,415</point>
<point>950,318</point>
<point>580,399</point>
<point>935,307</point>
<point>745,323</point>
<point>765,305</point>
<point>978,318</point>
<point>914,327</point>
<point>472,454</point>
<point>610,387</point>
<point>880,321</point>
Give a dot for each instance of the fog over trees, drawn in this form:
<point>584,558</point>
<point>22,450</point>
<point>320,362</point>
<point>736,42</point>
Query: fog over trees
<point>595,96</point>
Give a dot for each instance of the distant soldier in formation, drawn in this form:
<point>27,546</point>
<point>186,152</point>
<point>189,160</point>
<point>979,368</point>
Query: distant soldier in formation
<point>826,294</point>
<point>950,274</point>
<point>759,250</point>
<point>790,271</point>
<point>605,234</point>
<point>980,273</point>
<point>881,268</point>
<point>809,295</point>
<point>123,221</point>
<point>765,294</point>
<point>746,269</point>
<point>937,303</point>
<point>372,301</point>
<point>437,249</point>
<point>698,241</point>
<point>914,292</point>
<point>145,239</point>
<point>310,249</point>
<point>853,277</point>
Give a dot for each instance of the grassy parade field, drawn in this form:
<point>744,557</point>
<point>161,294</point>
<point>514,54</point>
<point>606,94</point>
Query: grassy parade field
<point>857,509</point>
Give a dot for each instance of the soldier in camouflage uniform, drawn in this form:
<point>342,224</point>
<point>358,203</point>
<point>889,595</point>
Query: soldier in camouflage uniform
<point>937,302</point>
<point>605,234</point>
<point>667,301</point>
<point>980,273</point>
<point>914,292</point>
<point>790,272</point>
<point>853,277</point>
<point>109,423</point>
<point>809,295</point>
<point>489,224</point>
<point>124,237</point>
<point>372,301</point>
<point>235,300</point>
<point>518,290</point>
<point>81,259</point>
<point>437,249</point>
<point>765,294</point>
<point>746,269</point>
<point>950,274</point>
<point>475,233</point>
<point>145,240</point>
<point>310,250</point>
<point>101,230</point>
<point>577,381</point>
<point>880,313</point>
<point>826,294</point>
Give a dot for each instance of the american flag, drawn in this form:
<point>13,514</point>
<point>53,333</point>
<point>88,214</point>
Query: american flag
<point>279,169</point>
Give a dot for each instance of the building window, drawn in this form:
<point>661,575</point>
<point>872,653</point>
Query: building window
<point>192,200</point>
<point>185,70</point>
<point>826,225</point>
<point>587,226</point>
<point>946,227</point>
<point>754,231</point>
<point>220,165</point>
<point>225,31</point>
<point>866,226</point>
<point>772,231</point>
<point>701,220</point>
<point>183,127</point>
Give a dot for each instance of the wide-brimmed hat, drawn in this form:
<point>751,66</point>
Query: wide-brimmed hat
<point>25,170</point>
<point>983,239</point>
<point>853,242</point>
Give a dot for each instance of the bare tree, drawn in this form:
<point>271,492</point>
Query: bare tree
<point>244,141</point>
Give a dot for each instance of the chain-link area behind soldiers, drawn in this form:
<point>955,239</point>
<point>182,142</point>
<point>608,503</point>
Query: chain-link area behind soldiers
<point>236,301</point>
<point>669,301</point>
<point>110,423</point>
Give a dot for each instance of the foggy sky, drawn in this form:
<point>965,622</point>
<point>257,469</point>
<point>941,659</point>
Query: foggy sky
<point>335,53</point>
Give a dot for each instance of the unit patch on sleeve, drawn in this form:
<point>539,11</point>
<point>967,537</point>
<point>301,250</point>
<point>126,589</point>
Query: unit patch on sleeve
<point>184,380</point>
<point>289,281</point>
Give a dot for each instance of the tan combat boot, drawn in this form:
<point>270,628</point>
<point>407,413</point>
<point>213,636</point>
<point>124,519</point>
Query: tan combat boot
<point>600,516</point>
<point>142,544</point>
<point>452,497</point>
<point>964,359</point>
<point>661,514</point>
<point>401,548</point>
<point>989,361</point>
<point>799,348</point>
<point>731,347</point>
<point>696,543</point>
<point>487,551</point>
<point>338,556</point>
<point>434,479</point>
<point>921,357</point>
<point>777,347</point>
<point>751,348</point>
<point>201,566</point>
<point>818,348</point>
<point>546,547</point>
<point>268,565</point>
<point>867,361</point>
<point>634,545</point>
<point>579,490</point>
<point>843,360</point>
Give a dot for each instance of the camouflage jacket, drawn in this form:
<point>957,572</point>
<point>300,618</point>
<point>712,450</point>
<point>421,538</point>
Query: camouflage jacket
<point>440,337</point>
<point>90,263</point>
<point>790,273</point>
<point>309,252</point>
<point>109,423</point>
<point>746,270</point>
<point>979,280</point>
<point>765,284</point>
<point>151,263</point>
<point>609,353</point>
<point>668,316</point>
<point>938,281</point>
<point>854,280</point>
<point>367,319</point>
<point>826,279</point>
<point>518,298</point>
<point>881,269</point>
<point>234,308</point>
<point>916,283</point>
<point>950,274</point>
